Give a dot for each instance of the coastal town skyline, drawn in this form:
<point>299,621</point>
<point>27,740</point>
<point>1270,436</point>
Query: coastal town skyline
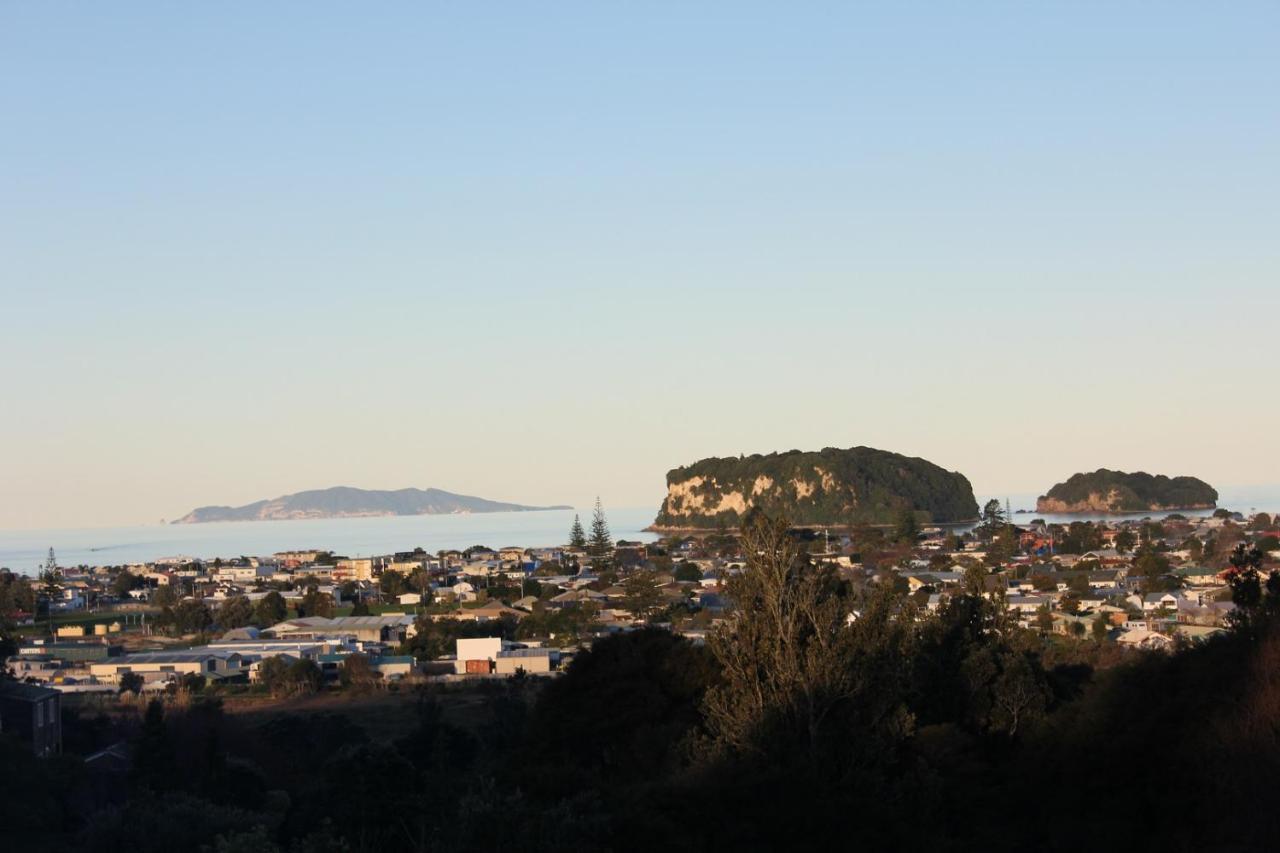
<point>435,428</point>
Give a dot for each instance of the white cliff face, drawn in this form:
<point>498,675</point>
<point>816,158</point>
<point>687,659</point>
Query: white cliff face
<point>703,497</point>
<point>684,500</point>
<point>832,486</point>
<point>1095,502</point>
<point>1109,502</point>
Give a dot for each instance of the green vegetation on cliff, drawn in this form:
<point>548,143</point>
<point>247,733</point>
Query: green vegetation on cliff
<point>831,486</point>
<point>1117,491</point>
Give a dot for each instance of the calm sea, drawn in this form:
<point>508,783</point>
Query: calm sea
<point>24,551</point>
<point>1244,499</point>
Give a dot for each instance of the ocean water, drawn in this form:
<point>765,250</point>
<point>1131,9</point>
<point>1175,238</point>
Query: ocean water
<point>24,551</point>
<point>1243,499</point>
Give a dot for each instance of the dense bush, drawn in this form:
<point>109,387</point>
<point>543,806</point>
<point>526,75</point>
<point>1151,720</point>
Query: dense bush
<point>860,484</point>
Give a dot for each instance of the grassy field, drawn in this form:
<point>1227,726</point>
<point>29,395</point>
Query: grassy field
<point>88,620</point>
<point>85,618</point>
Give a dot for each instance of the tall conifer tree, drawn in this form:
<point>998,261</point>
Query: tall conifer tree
<point>601,543</point>
<point>577,536</point>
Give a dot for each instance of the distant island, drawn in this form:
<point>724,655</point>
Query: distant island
<point>1117,491</point>
<point>347,502</point>
<point>827,487</point>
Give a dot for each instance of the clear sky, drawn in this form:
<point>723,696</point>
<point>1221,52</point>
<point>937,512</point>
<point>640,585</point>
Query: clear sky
<point>544,251</point>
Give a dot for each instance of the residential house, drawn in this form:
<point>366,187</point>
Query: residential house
<point>493,655</point>
<point>33,714</point>
<point>1027,605</point>
<point>1154,601</point>
<point>244,574</point>
<point>575,597</point>
<point>1142,638</point>
<point>485,612</point>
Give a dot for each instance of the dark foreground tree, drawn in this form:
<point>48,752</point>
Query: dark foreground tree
<point>804,662</point>
<point>1257,599</point>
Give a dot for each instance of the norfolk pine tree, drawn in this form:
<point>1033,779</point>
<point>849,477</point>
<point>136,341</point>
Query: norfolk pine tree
<point>577,537</point>
<point>601,543</point>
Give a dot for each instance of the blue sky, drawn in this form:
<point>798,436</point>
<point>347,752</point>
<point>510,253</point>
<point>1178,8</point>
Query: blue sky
<point>543,251</point>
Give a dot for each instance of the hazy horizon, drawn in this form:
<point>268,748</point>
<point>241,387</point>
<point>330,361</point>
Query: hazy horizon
<point>544,254</point>
<point>1239,496</point>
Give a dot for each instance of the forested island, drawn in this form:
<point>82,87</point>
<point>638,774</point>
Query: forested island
<point>828,487</point>
<point>348,502</point>
<point>1117,491</point>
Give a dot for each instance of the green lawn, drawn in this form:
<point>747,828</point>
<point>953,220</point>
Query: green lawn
<point>40,628</point>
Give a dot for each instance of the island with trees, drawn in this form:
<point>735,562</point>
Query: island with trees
<point>1116,492</point>
<point>860,485</point>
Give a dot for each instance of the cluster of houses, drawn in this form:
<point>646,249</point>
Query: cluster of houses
<point>1097,592</point>
<point>93,664</point>
<point>1069,593</point>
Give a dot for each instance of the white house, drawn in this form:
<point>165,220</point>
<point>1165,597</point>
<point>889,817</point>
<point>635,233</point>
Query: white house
<point>460,591</point>
<point>244,574</point>
<point>1154,601</point>
<point>1143,639</point>
<point>1026,605</point>
<point>486,655</point>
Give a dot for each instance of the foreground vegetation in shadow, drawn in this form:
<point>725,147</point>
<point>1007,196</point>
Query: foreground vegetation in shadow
<point>817,715</point>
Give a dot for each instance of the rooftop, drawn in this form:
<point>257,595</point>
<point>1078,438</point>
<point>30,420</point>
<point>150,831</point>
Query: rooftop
<point>25,692</point>
<point>172,657</point>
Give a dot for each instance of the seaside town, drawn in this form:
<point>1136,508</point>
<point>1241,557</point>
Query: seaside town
<point>639,428</point>
<point>306,621</point>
